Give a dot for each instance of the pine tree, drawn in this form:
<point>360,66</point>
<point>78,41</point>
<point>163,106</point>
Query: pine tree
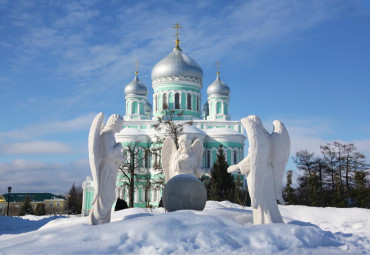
<point>289,191</point>
<point>74,202</point>
<point>222,182</point>
<point>40,209</point>
<point>26,207</point>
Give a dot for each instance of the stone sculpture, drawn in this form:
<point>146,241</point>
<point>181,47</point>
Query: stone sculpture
<point>105,155</point>
<point>185,160</point>
<point>264,166</point>
<point>181,168</point>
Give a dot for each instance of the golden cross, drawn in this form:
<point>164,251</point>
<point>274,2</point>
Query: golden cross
<point>136,67</point>
<point>218,67</point>
<point>177,26</point>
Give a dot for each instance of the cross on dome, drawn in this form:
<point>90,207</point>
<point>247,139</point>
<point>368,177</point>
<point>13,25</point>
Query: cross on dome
<point>136,67</point>
<point>218,67</point>
<point>177,42</point>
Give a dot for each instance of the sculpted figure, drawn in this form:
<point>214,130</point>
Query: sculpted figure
<point>105,155</point>
<point>264,166</point>
<point>185,160</point>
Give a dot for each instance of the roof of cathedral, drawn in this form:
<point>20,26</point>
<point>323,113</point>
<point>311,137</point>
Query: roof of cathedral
<point>136,87</point>
<point>177,64</point>
<point>218,87</point>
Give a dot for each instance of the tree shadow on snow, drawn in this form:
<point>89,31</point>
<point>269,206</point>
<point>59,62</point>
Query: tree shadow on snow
<point>15,225</point>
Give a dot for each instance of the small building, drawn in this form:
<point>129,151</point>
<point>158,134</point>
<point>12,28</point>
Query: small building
<point>2,206</point>
<point>53,203</point>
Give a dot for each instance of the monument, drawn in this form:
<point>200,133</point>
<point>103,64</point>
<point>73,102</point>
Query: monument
<point>105,155</point>
<point>264,166</point>
<point>181,168</point>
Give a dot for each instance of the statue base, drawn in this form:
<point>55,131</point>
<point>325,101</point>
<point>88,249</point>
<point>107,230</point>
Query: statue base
<point>184,192</point>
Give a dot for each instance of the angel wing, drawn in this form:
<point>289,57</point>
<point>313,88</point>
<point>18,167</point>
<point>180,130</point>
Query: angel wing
<point>258,153</point>
<point>94,145</point>
<point>280,154</point>
<point>168,148</point>
<point>197,150</point>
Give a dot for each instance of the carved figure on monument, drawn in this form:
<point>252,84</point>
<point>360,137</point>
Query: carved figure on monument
<point>185,160</point>
<point>105,155</point>
<point>264,166</point>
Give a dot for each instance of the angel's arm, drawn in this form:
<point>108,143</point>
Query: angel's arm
<point>243,165</point>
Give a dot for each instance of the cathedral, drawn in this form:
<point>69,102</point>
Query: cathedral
<point>177,81</point>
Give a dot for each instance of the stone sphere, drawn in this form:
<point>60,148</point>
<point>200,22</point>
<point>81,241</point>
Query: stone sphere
<point>184,192</point>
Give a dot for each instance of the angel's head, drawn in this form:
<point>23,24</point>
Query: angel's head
<point>115,123</point>
<point>184,142</point>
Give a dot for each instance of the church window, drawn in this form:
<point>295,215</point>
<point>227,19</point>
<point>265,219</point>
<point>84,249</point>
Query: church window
<point>134,107</point>
<point>218,110</point>
<point>164,101</point>
<point>208,159</point>
<point>155,197</point>
<point>146,159</point>
<point>235,156</point>
<point>189,101</point>
<point>177,101</point>
<point>197,103</point>
<point>155,103</point>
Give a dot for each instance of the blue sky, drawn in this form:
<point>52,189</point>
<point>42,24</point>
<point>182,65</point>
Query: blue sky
<point>306,63</point>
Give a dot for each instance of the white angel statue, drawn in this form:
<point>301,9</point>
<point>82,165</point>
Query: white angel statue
<point>185,160</point>
<point>265,165</point>
<point>105,155</point>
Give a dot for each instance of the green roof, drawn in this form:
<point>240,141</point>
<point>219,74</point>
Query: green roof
<point>35,197</point>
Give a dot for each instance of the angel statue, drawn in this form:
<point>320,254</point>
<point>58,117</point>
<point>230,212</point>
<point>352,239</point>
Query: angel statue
<point>105,155</point>
<point>185,160</point>
<point>265,165</point>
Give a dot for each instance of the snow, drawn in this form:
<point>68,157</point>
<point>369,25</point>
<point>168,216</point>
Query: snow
<point>221,228</point>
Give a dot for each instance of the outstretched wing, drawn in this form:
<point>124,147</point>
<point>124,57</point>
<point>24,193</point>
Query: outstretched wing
<point>280,153</point>
<point>197,150</point>
<point>168,148</point>
<point>95,152</point>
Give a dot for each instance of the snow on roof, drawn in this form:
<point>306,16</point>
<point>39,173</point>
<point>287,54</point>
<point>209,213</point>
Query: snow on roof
<point>222,131</point>
<point>132,132</point>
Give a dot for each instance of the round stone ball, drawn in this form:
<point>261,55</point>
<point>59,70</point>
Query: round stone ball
<point>184,192</point>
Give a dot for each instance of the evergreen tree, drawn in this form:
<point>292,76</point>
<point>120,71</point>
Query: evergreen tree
<point>361,191</point>
<point>74,201</point>
<point>289,191</point>
<point>222,185</point>
<point>26,207</point>
<point>120,205</point>
<point>40,209</point>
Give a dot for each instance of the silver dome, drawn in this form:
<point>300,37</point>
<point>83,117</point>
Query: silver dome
<point>177,64</point>
<point>218,87</point>
<point>136,87</point>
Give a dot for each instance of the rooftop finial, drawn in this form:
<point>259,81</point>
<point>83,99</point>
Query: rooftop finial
<point>136,67</point>
<point>218,67</point>
<point>177,42</point>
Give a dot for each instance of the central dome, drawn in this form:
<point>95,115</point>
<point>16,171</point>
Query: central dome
<point>177,64</point>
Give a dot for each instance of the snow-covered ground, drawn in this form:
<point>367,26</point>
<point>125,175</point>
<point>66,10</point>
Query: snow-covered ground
<point>222,228</point>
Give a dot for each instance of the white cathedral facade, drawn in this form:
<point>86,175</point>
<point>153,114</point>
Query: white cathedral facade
<point>177,81</point>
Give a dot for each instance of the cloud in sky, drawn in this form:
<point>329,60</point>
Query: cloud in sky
<point>35,147</point>
<point>82,122</point>
<point>37,176</point>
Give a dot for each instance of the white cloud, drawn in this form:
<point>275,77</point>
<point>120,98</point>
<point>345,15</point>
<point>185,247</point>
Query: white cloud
<point>35,147</point>
<point>79,123</point>
<point>37,176</point>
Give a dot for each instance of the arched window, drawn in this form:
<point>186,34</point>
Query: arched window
<point>155,103</point>
<point>164,101</point>
<point>208,159</point>
<point>218,108</point>
<point>146,159</point>
<point>198,103</point>
<point>177,101</point>
<point>235,156</point>
<point>134,107</point>
<point>189,102</point>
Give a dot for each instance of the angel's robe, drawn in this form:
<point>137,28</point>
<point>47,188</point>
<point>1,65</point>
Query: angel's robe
<point>111,157</point>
